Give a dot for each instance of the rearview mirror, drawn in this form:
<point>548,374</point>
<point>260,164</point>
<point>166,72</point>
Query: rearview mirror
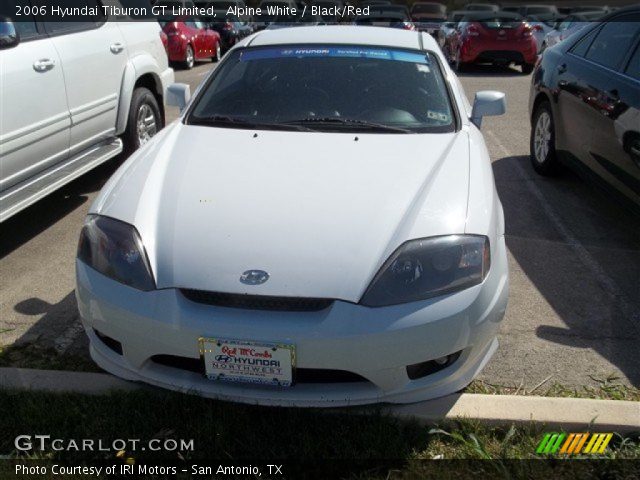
<point>178,95</point>
<point>488,103</point>
<point>9,37</point>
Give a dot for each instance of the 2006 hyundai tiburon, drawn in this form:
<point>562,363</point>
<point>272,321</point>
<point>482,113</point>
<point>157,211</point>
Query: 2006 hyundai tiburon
<point>319,228</point>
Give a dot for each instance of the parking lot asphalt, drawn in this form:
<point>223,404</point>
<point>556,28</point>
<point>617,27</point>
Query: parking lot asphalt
<point>574,255</point>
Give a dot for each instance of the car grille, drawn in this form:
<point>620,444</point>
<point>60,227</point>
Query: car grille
<point>258,302</point>
<point>301,375</point>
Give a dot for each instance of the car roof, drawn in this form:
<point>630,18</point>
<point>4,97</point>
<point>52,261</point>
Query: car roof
<point>345,35</point>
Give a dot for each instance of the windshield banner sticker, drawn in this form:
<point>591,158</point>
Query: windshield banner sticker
<point>349,52</point>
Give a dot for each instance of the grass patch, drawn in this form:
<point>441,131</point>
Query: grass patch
<point>609,388</point>
<point>230,432</point>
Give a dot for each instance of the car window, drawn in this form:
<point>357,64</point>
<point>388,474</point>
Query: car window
<point>427,8</point>
<point>566,23</point>
<point>539,10</point>
<point>581,47</point>
<point>272,86</point>
<point>633,68</point>
<point>613,41</point>
<point>25,25</point>
<point>197,24</point>
<point>87,14</point>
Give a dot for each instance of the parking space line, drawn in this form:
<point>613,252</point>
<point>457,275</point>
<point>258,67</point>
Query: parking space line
<point>605,281</point>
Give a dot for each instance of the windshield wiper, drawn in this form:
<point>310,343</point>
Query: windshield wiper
<point>347,122</point>
<point>224,119</point>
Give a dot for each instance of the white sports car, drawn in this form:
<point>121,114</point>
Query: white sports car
<point>319,228</point>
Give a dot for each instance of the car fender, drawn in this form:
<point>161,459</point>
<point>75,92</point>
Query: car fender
<point>484,210</point>
<point>136,67</point>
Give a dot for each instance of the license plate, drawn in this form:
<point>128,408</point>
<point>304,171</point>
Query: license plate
<point>248,362</point>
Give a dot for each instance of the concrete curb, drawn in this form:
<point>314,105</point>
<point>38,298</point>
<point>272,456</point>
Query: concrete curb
<point>569,414</point>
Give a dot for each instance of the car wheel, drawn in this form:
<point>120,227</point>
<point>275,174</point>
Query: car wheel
<point>145,119</point>
<point>189,58</point>
<point>543,141</point>
<point>527,68</point>
<point>218,55</point>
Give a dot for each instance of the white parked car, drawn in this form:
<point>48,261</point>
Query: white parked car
<point>570,25</point>
<point>320,228</point>
<point>72,95</point>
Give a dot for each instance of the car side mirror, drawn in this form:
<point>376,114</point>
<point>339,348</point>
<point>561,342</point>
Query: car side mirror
<point>9,36</point>
<point>178,95</point>
<point>488,103</point>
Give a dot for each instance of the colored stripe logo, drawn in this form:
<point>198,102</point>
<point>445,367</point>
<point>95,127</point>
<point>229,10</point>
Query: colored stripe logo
<point>574,443</point>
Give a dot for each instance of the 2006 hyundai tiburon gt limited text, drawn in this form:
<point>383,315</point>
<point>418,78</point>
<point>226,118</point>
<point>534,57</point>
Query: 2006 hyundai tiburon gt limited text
<point>319,228</point>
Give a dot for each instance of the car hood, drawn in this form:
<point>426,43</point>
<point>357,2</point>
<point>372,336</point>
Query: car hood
<point>320,212</point>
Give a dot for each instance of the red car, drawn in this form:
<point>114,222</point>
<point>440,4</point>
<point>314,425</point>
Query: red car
<point>492,37</point>
<point>189,40</point>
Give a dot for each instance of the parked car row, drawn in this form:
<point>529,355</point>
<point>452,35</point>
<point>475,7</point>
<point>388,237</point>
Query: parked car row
<point>480,33</point>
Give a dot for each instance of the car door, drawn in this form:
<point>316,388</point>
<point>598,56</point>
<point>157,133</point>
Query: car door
<point>615,144</point>
<point>199,37</point>
<point>93,55</point>
<point>34,116</point>
<point>573,79</point>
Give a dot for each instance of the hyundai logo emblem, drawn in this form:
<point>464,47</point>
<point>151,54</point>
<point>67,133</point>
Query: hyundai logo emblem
<point>254,277</point>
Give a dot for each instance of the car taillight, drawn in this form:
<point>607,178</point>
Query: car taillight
<point>408,26</point>
<point>527,32</point>
<point>472,31</point>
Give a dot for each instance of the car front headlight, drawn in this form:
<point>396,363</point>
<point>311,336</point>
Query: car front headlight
<point>114,249</point>
<point>429,267</point>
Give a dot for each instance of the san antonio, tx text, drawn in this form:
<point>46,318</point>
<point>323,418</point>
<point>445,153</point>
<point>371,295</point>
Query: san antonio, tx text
<point>125,469</point>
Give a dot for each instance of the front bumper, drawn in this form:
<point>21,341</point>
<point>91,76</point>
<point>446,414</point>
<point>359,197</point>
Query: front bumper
<point>167,77</point>
<point>526,52</point>
<point>375,343</point>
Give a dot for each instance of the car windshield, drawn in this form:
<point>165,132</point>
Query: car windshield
<point>427,8</point>
<point>327,88</point>
<point>495,21</point>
